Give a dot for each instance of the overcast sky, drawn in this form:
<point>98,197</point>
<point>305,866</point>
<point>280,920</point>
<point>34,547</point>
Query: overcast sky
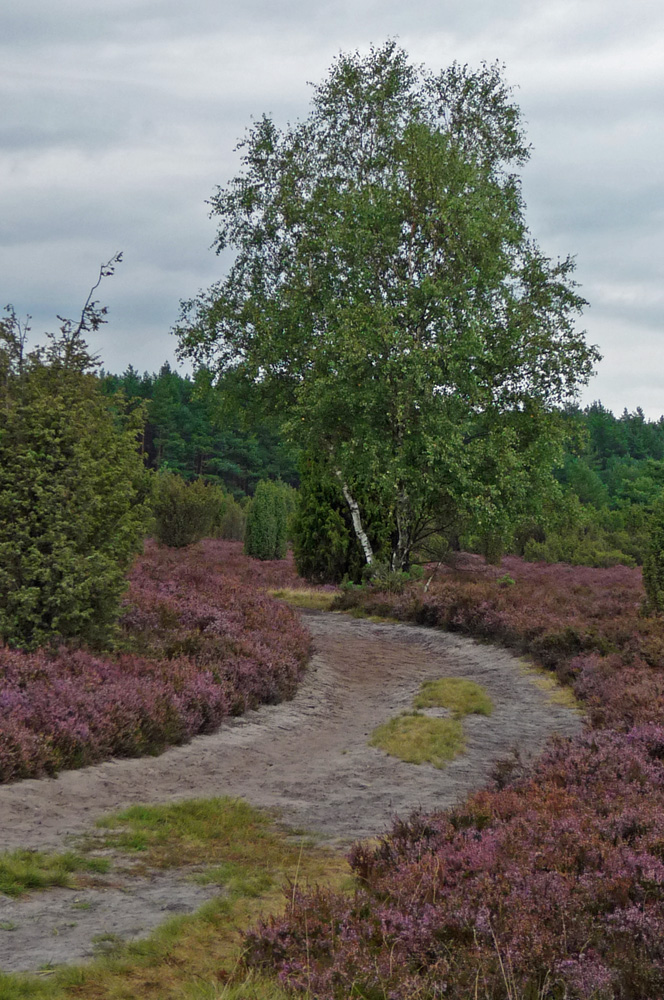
<point>117,121</point>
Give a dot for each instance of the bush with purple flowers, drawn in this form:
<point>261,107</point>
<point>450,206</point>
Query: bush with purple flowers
<point>552,887</point>
<point>198,644</point>
<point>548,888</point>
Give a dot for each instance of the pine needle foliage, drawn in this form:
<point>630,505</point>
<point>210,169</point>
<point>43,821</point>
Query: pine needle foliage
<point>72,489</point>
<point>266,533</point>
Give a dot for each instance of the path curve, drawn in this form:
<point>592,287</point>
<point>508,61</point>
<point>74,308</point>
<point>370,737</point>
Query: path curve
<point>309,758</point>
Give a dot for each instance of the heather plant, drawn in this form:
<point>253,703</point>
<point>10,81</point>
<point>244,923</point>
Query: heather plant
<point>184,512</point>
<point>197,646</point>
<point>552,887</point>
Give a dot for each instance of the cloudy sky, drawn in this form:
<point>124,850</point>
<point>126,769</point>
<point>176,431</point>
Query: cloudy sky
<point>118,119</point>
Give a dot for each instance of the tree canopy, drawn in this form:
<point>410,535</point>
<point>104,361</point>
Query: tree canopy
<point>389,301</point>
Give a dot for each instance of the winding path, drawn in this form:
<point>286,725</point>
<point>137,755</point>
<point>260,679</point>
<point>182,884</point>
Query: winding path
<point>309,758</point>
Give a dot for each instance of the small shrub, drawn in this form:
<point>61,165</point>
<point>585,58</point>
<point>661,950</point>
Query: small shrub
<point>232,521</point>
<point>266,532</point>
<point>184,512</point>
<point>653,566</point>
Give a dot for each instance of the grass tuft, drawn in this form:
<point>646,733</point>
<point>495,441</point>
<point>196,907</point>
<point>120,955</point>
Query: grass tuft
<point>315,600</point>
<point>197,956</point>
<point>460,696</point>
<point>419,739</point>
<point>22,870</point>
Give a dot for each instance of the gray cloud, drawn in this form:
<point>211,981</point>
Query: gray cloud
<point>118,121</point>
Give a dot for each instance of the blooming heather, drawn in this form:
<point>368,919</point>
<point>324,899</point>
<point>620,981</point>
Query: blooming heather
<point>199,645</point>
<point>551,887</point>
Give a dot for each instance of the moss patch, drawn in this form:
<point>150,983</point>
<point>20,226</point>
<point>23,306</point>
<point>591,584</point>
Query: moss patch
<point>419,739</point>
<point>460,696</point>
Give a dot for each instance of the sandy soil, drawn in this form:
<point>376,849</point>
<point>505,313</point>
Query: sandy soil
<point>307,759</point>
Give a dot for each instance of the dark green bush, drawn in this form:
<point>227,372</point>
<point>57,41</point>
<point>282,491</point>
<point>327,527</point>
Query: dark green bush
<point>184,512</point>
<point>653,566</point>
<point>266,532</point>
<point>232,521</point>
<point>325,546</point>
<point>72,510</point>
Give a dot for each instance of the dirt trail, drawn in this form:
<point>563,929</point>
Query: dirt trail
<point>307,759</point>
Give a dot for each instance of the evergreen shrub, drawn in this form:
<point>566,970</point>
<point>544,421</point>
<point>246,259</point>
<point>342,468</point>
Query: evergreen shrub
<point>232,521</point>
<point>325,546</point>
<point>184,512</point>
<point>266,532</point>
<point>72,492</point>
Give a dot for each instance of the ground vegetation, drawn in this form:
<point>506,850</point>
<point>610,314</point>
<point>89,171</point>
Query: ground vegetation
<point>197,646</point>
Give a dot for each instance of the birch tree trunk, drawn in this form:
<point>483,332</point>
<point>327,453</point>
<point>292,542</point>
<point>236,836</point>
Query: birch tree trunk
<point>357,522</point>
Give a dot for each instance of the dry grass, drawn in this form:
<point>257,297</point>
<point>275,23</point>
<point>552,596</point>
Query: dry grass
<point>315,600</point>
<point>547,682</point>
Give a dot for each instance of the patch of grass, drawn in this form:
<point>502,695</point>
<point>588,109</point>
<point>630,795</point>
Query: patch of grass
<point>197,956</point>
<point>22,870</point>
<point>460,696</point>
<point>316,600</point>
<point>419,739</point>
<point>557,694</point>
<point>193,832</point>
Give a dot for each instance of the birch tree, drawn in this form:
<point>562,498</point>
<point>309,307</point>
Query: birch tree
<point>388,299</point>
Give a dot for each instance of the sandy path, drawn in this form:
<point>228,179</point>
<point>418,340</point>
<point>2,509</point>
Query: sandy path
<point>308,759</point>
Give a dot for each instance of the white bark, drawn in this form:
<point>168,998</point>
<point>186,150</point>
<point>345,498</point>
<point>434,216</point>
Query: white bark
<point>357,522</point>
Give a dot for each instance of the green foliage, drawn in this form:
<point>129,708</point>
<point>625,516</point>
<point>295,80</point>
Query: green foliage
<point>653,566</point>
<point>381,576</point>
<point>266,532</point>
<point>72,491</point>
<point>197,427</point>
<point>184,512</point>
<point>232,521</point>
<point>325,546</point>
<point>387,299</point>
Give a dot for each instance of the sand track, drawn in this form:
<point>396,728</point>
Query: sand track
<point>308,759</point>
